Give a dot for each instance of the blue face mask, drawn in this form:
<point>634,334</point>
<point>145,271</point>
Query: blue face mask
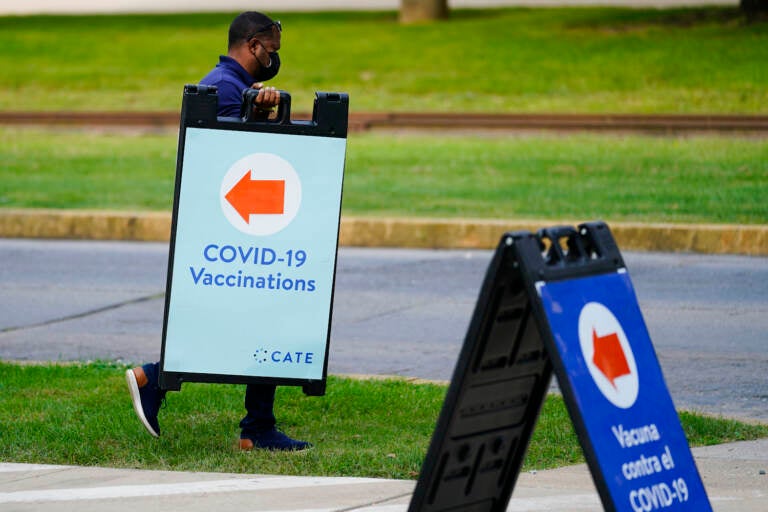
<point>267,73</point>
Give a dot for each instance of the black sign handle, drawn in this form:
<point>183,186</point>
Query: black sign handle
<point>283,108</point>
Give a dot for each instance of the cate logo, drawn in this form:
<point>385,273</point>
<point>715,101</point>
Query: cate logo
<point>267,355</point>
<point>260,194</point>
<point>608,355</point>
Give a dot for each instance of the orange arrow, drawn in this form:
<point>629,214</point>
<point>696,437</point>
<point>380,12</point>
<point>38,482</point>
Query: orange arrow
<point>609,357</point>
<point>257,196</point>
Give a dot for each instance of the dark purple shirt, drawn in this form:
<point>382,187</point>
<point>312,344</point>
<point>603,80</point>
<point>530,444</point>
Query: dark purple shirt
<point>230,78</point>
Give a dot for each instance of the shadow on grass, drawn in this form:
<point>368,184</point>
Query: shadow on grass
<point>627,20</point>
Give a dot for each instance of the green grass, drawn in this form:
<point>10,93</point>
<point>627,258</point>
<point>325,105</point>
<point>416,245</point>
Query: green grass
<point>525,60</point>
<point>81,414</point>
<point>578,177</point>
<point>69,169</point>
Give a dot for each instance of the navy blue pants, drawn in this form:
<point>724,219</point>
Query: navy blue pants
<point>259,404</point>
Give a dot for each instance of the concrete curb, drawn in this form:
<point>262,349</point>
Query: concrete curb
<point>394,232</point>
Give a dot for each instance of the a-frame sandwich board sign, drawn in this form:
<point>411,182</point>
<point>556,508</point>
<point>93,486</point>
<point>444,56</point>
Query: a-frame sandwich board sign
<point>561,301</point>
<point>254,241</point>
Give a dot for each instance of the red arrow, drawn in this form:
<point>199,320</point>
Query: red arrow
<point>609,356</point>
<point>257,196</point>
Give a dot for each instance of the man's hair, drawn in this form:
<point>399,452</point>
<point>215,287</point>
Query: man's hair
<point>245,25</point>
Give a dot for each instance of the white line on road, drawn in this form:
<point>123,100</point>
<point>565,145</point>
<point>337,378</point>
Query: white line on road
<point>198,487</point>
<point>561,502</point>
<point>538,504</point>
<point>12,467</point>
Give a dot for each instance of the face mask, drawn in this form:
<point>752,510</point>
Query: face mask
<point>264,74</point>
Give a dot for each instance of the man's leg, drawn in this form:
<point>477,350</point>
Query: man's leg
<point>146,394</point>
<point>259,404</point>
<point>258,425</point>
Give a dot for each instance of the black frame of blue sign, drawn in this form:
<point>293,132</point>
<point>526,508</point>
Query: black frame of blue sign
<point>503,373</point>
<point>199,110</point>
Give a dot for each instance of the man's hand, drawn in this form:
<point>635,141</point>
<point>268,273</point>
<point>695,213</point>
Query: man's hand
<point>267,99</point>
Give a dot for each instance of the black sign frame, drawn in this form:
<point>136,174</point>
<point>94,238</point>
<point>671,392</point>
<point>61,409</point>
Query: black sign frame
<point>199,110</point>
<point>503,373</point>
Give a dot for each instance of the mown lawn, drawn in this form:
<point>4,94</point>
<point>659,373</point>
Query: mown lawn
<point>517,60</point>
<point>81,414</point>
<point>576,177</point>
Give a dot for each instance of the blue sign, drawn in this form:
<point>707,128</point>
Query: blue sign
<point>612,370</point>
<point>254,255</point>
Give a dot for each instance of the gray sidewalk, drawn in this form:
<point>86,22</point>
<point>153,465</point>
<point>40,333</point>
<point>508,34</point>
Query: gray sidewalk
<point>150,6</point>
<point>734,476</point>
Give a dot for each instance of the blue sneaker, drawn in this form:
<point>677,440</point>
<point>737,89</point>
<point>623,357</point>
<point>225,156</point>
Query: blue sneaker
<point>272,440</point>
<point>146,395</point>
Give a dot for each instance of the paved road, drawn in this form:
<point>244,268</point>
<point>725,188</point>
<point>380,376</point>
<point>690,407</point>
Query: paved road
<point>396,312</point>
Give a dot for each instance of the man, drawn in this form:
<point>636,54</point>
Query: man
<point>252,58</point>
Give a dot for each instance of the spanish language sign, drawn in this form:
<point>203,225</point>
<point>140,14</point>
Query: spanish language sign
<point>611,367</point>
<point>255,253</point>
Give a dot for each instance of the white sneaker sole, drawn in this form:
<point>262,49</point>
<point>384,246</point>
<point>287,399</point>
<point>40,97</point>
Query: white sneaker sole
<point>133,387</point>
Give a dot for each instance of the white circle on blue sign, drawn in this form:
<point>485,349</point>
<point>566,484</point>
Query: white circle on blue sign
<point>260,194</point>
<point>608,355</point>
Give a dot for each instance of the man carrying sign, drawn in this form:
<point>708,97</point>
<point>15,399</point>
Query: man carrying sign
<point>252,58</point>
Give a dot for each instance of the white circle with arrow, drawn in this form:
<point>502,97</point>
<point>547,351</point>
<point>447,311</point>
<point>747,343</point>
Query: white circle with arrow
<point>260,194</point>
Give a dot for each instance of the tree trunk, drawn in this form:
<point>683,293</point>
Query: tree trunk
<point>415,11</point>
<point>753,7</point>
